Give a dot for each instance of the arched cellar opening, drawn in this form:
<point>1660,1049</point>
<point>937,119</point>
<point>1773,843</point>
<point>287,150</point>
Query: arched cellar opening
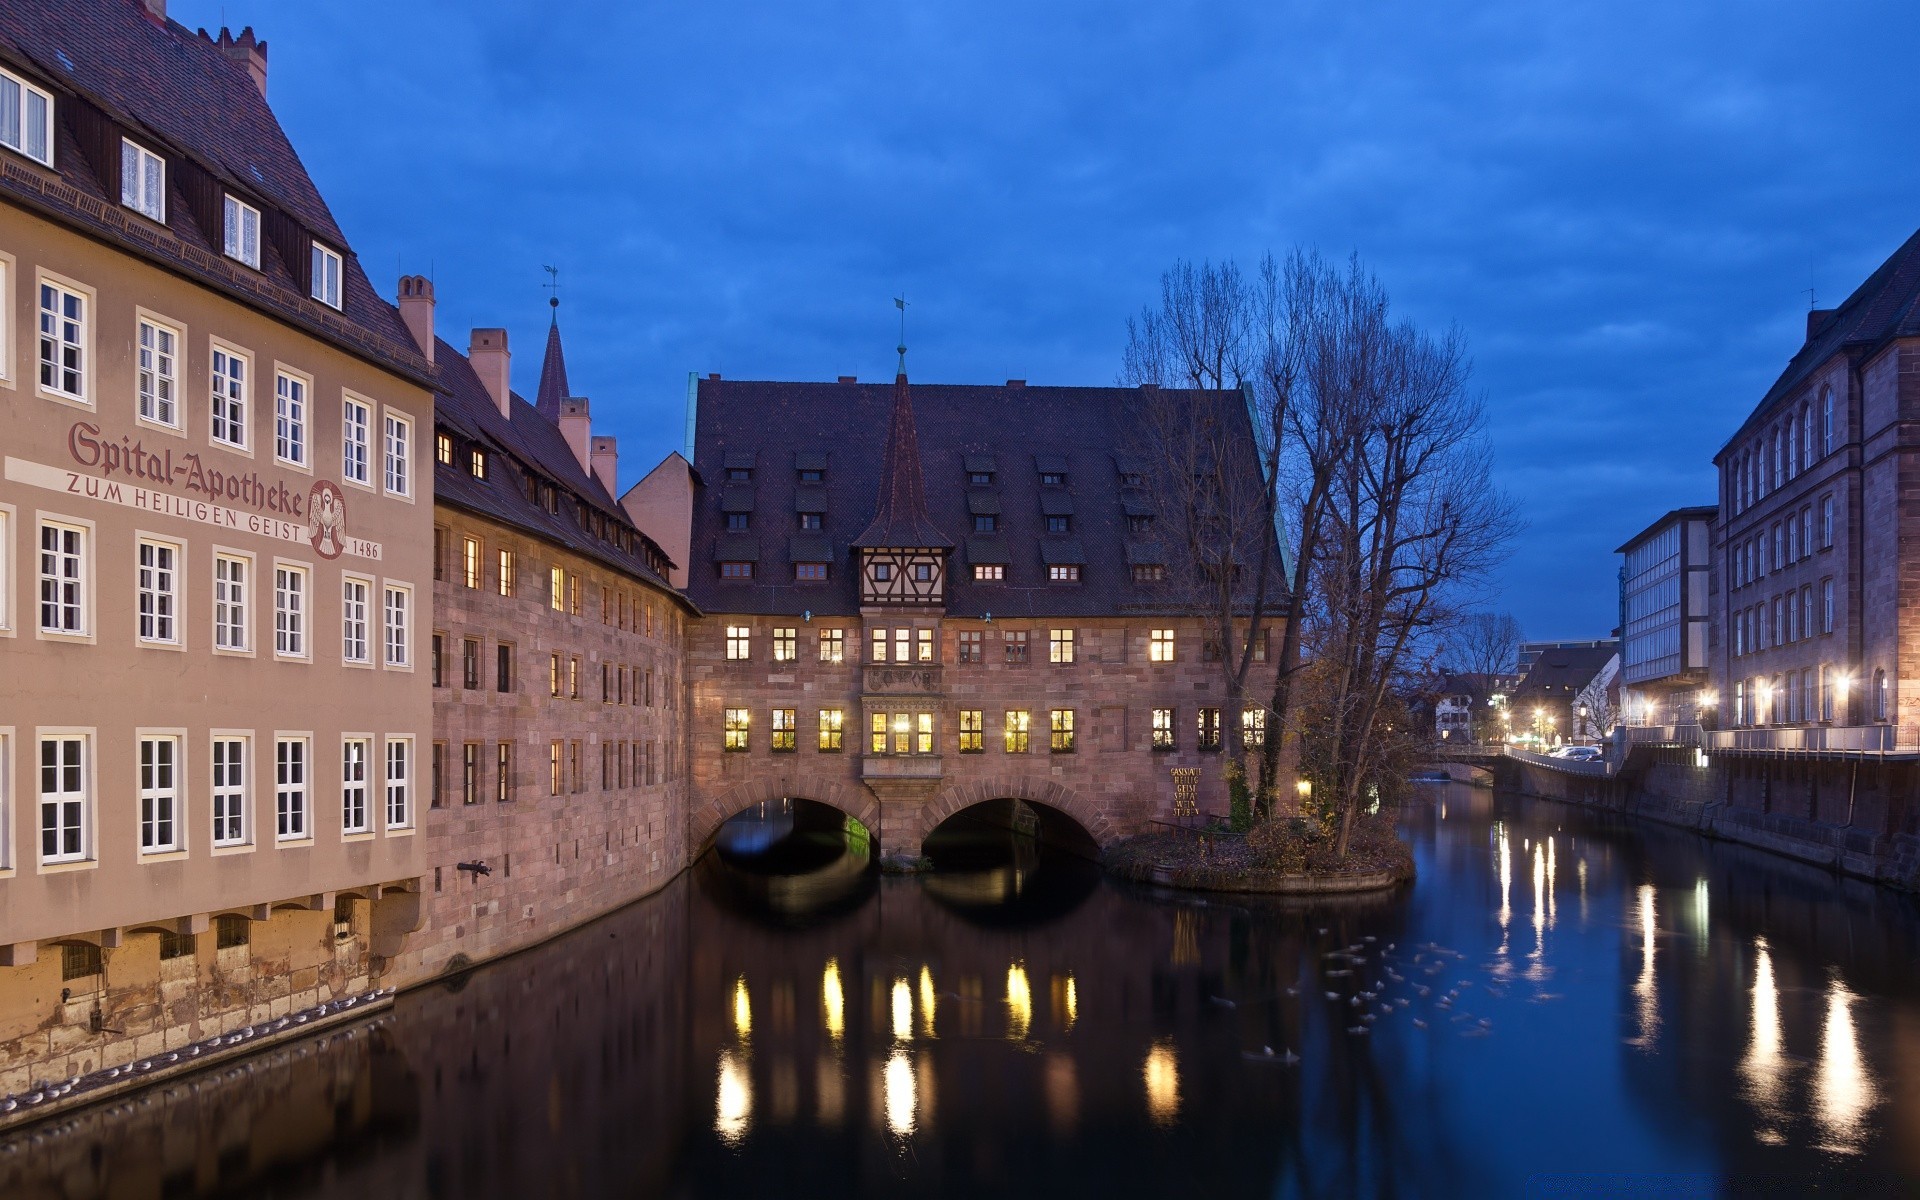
<point>1011,862</point>
<point>789,860</point>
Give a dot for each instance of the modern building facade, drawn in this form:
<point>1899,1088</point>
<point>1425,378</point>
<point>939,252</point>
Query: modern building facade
<point>215,556</point>
<point>1664,585</point>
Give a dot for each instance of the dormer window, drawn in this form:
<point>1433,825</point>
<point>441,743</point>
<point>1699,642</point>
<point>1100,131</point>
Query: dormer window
<point>985,523</point>
<point>1139,524</point>
<point>1053,479</point>
<point>883,572</point>
<point>739,475</point>
<point>26,118</point>
<point>980,478</point>
<point>477,463</point>
<point>443,449</point>
<point>1059,524</point>
<point>813,477</point>
<point>1132,479</point>
<point>812,521</point>
<point>143,181</point>
<point>242,222</point>
<point>739,522</point>
<point>326,276</point>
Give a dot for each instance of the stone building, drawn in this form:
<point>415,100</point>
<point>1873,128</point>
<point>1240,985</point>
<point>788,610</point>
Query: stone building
<point>215,546</point>
<point>1663,620</point>
<point>916,600</point>
<point>558,780</point>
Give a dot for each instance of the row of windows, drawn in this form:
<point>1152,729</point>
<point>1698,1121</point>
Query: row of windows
<point>1791,541</point>
<point>1779,454</point>
<point>1787,619</point>
<point>906,644</point>
<point>1806,697</point>
<point>815,475</point>
<point>913,732</point>
<point>66,788</point>
<point>623,765</point>
<point>499,573</point>
<point>66,598</point>
<point>816,572</point>
<point>64,354</point>
<point>591,520</point>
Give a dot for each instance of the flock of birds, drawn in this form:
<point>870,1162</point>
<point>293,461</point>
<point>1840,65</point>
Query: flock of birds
<point>1371,980</point>
<point>46,1092</point>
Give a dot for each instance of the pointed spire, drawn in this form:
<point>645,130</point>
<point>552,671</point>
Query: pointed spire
<point>900,520</point>
<point>553,372</point>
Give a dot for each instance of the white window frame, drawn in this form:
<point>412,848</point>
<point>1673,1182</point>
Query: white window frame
<point>396,469</point>
<point>292,417</point>
<point>70,336</point>
<point>82,601</point>
<point>292,623</point>
<point>81,799</point>
<point>329,276</point>
<point>8,520</point>
<point>399,760</point>
<point>1161,645</point>
<point>161,804</point>
<point>229,396</point>
<point>355,779</point>
<point>26,118</point>
<point>350,624</point>
<point>230,813</point>
<point>232,602</point>
<point>292,787</point>
<point>6,317</point>
<point>167,628</point>
<point>396,625</point>
<point>356,415</point>
<point>6,801</point>
<point>240,224</point>
<point>145,192</point>
<point>156,349</point>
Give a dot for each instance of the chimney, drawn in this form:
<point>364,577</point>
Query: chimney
<point>487,351</point>
<point>157,9</point>
<point>576,425</point>
<point>1817,320</point>
<point>606,463</point>
<point>849,379</point>
<point>245,50</point>
<point>416,309</point>
<point>1019,383</point>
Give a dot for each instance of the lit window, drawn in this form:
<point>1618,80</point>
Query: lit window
<point>923,738</point>
<point>736,729</point>
<point>739,642</point>
<point>1149,573</point>
<point>470,771</point>
<point>1018,724</point>
<point>1063,574</point>
<point>832,724</point>
<point>399,454</point>
<point>290,418</point>
<point>355,418</point>
<point>353,621</point>
<point>399,782</point>
<point>1160,646</point>
<point>503,772</point>
<point>230,602</point>
<point>158,592</point>
<point>783,645</point>
<point>229,791</point>
<point>159,794</point>
<point>1163,729</point>
<point>879,646</point>
<point>477,463</point>
<point>1062,729</point>
<point>26,118</point>
<point>972,736</point>
<point>573,678</point>
<point>63,799</point>
<point>924,640</point>
<point>785,738</point>
<point>505,582</point>
<point>1253,728</point>
<point>353,786</point>
<point>63,341</point>
<point>290,611</point>
<point>989,573</point>
<point>242,232</point>
<point>1060,645</point>
<point>325,286</point>
<point>443,449</point>
<point>833,645</point>
<point>557,589</point>
<point>157,374</point>
<point>1209,724</point>
<point>290,788</point>
<point>471,573</point>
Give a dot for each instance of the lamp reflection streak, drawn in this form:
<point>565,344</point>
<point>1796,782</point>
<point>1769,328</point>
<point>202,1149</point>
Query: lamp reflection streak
<point>1644,989</point>
<point>927,1001</point>
<point>733,1098</point>
<point>902,1011</point>
<point>1843,1090</point>
<point>1161,1074</point>
<point>899,1092</point>
<point>1764,1069</point>
<point>833,1000</point>
<point>1019,1003</point>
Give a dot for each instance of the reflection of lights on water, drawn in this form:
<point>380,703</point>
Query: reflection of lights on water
<point>733,1099</point>
<point>833,1001</point>
<point>899,1091</point>
<point>1539,902</point>
<point>1843,1090</point>
<point>1073,1003</point>
<point>1765,1068</point>
<point>1019,1003</point>
<point>1552,877</point>
<point>1700,911</point>
<point>831,1088</point>
<point>742,1009</point>
<point>1581,871</point>
<point>926,1002</point>
<point>1162,1075</point>
<point>902,1011</point>
<point>1063,1092</point>
<point>1643,989</point>
<point>1506,877</point>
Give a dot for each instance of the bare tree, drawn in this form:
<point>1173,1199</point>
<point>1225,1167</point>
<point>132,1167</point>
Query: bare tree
<point>1484,643</point>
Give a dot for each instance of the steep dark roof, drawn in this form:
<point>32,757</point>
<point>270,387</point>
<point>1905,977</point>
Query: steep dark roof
<point>1570,670</point>
<point>900,518</point>
<point>1884,307</point>
<point>553,373</point>
<point>115,71</point>
<point>1012,433</point>
<point>527,443</point>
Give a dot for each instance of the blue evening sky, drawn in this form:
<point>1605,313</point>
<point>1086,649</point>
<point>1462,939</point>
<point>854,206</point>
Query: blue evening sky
<point>1621,203</point>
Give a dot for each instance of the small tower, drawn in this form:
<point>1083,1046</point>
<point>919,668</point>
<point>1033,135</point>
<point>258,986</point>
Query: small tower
<point>553,372</point>
<point>902,556</point>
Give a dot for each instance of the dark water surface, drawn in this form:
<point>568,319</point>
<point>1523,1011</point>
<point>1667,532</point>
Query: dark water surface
<point>1626,999</point>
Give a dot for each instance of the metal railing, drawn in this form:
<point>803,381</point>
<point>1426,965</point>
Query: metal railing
<point>1869,739</point>
<point>1572,766</point>
<point>1664,735</point>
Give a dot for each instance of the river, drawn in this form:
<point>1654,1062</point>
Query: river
<point>1562,999</point>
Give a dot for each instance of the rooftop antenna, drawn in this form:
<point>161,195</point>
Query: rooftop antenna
<point>900,302</point>
<point>553,285</point>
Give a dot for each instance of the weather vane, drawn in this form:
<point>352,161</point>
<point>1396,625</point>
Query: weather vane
<point>900,302</point>
<point>553,285</point>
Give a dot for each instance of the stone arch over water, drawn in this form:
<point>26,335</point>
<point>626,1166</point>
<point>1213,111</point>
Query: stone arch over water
<point>706,818</point>
<point>1043,792</point>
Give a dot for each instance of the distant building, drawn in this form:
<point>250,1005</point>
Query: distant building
<point>1466,706</point>
<point>1664,579</point>
<point>1530,652</point>
<point>1546,704</point>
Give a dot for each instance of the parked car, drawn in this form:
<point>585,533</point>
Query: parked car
<point>1579,753</point>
